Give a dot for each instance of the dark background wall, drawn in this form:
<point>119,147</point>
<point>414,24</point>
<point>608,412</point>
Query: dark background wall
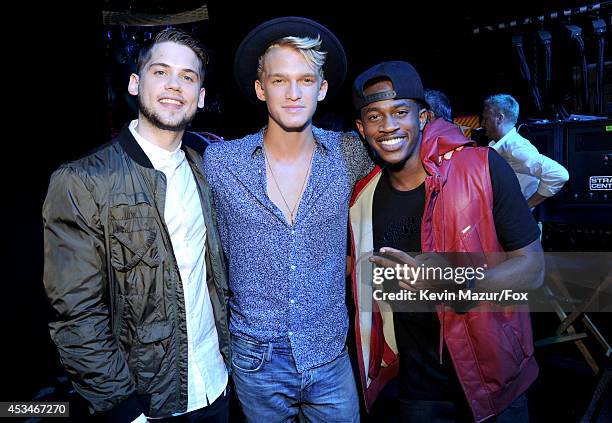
<point>57,68</point>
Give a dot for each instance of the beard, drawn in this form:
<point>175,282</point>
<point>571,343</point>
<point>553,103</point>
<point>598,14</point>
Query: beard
<point>157,121</point>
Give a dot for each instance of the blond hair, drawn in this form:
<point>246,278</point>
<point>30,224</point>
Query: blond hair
<point>308,47</point>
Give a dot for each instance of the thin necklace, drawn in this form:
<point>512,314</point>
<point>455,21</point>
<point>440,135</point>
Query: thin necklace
<point>292,210</point>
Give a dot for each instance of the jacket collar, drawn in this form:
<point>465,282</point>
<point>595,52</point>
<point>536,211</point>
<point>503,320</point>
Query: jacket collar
<point>136,153</point>
<point>130,146</point>
<point>440,137</point>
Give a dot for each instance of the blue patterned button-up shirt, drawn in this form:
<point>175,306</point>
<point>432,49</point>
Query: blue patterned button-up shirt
<point>287,282</point>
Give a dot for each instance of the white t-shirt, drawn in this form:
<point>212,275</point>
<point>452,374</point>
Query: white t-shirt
<point>206,374</point>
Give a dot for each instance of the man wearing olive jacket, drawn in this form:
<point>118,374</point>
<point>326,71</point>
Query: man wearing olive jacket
<point>133,264</point>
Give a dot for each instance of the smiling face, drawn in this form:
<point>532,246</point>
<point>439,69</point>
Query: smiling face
<point>392,128</point>
<point>291,88</point>
<point>169,87</point>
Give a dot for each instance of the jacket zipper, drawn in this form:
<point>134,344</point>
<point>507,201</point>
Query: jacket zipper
<point>430,204</point>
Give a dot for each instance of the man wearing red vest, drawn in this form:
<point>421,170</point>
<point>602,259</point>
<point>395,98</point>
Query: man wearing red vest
<point>435,192</point>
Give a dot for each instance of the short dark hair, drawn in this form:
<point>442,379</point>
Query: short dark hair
<point>439,104</point>
<point>177,36</point>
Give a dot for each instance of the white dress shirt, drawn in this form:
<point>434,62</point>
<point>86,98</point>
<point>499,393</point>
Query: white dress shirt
<point>535,171</point>
<point>206,375</point>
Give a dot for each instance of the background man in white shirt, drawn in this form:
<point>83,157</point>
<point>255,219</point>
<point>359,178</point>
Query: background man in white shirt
<point>540,177</point>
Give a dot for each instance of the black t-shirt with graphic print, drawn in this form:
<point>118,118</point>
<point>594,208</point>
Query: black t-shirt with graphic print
<point>396,223</point>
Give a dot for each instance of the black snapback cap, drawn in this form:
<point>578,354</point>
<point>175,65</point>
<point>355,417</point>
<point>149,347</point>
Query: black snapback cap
<point>404,77</point>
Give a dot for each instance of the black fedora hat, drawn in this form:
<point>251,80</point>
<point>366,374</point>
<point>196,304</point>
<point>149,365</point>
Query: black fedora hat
<point>257,41</point>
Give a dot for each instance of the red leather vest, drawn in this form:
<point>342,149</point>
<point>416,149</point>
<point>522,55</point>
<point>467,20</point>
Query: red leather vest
<point>491,346</point>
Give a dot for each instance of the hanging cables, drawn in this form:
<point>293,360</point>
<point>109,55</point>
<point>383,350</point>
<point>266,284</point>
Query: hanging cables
<point>599,29</point>
<point>546,41</point>
<point>576,35</point>
<point>517,43</point>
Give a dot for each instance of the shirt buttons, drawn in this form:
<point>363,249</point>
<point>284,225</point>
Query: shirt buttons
<point>290,333</point>
<point>292,232</point>
<point>293,267</point>
<point>292,301</point>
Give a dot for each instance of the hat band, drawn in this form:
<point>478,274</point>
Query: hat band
<point>383,95</point>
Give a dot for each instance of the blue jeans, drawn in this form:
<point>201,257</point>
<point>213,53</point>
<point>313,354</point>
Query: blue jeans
<point>270,388</point>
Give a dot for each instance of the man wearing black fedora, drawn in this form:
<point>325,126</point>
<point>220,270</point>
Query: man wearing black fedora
<point>282,206</point>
